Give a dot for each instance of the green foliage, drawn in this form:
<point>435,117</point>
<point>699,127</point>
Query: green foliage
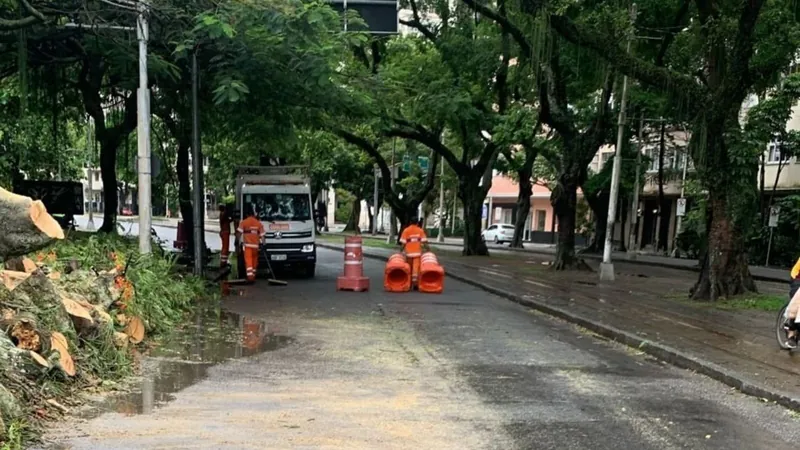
<point>785,243</point>
<point>14,436</point>
<point>162,294</point>
<point>344,206</point>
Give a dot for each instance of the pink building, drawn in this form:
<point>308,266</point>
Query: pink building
<point>501,204</point>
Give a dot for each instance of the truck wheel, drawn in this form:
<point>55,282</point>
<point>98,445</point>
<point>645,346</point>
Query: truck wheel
<point>310,270</point>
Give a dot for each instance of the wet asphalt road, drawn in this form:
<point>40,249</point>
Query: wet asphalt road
<point>461,370</point>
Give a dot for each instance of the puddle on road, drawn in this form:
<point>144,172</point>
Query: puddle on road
<point>184,358</point>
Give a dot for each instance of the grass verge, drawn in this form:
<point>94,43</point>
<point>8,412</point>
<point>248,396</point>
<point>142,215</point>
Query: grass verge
<point>746,302</point>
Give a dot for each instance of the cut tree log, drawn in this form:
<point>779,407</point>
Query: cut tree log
<point>12,279</point>
<point>26,225</point>
<point>25,335</point>
<point>29,265</point>
<point>9,408</point>
<point>38,297</point>
<point>120,339</point>
<point>39,359</point>
<point>59,343</point>
<point>81,317</point>
<point>135,329</point>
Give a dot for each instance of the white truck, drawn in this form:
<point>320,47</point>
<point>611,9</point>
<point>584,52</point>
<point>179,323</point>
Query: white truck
<point>280,197</point>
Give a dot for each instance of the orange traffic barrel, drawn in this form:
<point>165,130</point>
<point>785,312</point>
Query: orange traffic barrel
<point>397,274</point>
<point>181,240</point>
<point>431,274</point>
<point>353,278</point>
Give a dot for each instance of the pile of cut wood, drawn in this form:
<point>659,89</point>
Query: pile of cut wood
<point>49,318</point>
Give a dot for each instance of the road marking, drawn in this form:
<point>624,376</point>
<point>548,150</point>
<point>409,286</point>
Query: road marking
<point>536,283</point>
<point>492,272</point>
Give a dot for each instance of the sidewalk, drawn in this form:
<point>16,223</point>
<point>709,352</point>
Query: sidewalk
<point>759,273</point>
<point>170,222</point>
<point>645,309</point>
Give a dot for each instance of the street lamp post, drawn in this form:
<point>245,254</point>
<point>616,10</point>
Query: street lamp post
<point>143,110</point>
<point>197,173</point>
<point>143,134</point>
<point>607,267</point>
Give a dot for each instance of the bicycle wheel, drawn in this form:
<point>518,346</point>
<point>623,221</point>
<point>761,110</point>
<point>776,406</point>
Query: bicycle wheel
<point>780,331</point>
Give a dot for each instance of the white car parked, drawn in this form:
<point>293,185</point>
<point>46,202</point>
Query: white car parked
<point>498,233</point>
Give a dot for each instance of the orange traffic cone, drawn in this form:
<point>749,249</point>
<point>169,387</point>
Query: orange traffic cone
<point>431,274</point>
<point>397,274</point>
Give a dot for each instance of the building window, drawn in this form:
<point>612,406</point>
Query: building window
<point>774,155</point>
<point>541,219</point>
<point>96,176</point>
<point>605,158</point>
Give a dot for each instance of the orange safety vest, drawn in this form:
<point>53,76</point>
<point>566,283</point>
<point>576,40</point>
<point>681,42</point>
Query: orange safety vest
<point>796,270</point>
<point>412,238</point>
<point>251,230</point>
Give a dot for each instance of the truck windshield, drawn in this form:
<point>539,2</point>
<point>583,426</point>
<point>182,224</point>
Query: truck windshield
<point>275,207</point>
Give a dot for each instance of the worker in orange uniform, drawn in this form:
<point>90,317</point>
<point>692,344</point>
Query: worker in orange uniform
<point>225,220</point>
<point>793,310</point>
<point>413,240</point>
<point>251,231</point>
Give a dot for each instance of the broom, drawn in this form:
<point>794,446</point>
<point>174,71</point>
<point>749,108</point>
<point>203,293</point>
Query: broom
<point>272,281</point>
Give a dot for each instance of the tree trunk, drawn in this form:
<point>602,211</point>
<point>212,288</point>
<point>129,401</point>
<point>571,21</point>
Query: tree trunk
<point>663,223</point>
<point>523,207</point>
<point>762,187</point>
<point>355,215</point>
<point>599,206</point>
<point>472,197</point>
<point>564,200</point>
<point>371,217</point>
<point>725,272</point>
<point>623,216</point>
<point>185,193</point>
<point>108,173</point>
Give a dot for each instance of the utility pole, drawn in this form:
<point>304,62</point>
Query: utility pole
<point>197,173</point>
<point>375,173</point>
<point>607,267</point>
<point>90,225</point>
<point>453,220</point>
<point>440,236</point>
<point>635,201</point>
<point>679,223</point>
<point>143,132</point>
<point>392,220</point>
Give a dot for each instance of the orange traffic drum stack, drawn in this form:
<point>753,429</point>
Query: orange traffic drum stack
<point>397,275</point>
<point>431,274</point>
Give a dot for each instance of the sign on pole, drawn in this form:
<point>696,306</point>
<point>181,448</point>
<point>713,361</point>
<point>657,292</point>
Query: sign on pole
<point>381,16</point>
<point>681,207</point>
<point>774,215</point>
<point>423,163</point>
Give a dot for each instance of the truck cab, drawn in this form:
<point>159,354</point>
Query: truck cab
<point>281,199</point>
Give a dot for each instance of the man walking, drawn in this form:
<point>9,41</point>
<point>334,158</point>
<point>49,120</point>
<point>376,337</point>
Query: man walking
<point>413,239</point>
<point>224,234</point>
<point>252,231</point>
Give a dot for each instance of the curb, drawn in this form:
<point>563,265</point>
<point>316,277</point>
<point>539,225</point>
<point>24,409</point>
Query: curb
<point>663,352</point>
<point>692,268</point>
